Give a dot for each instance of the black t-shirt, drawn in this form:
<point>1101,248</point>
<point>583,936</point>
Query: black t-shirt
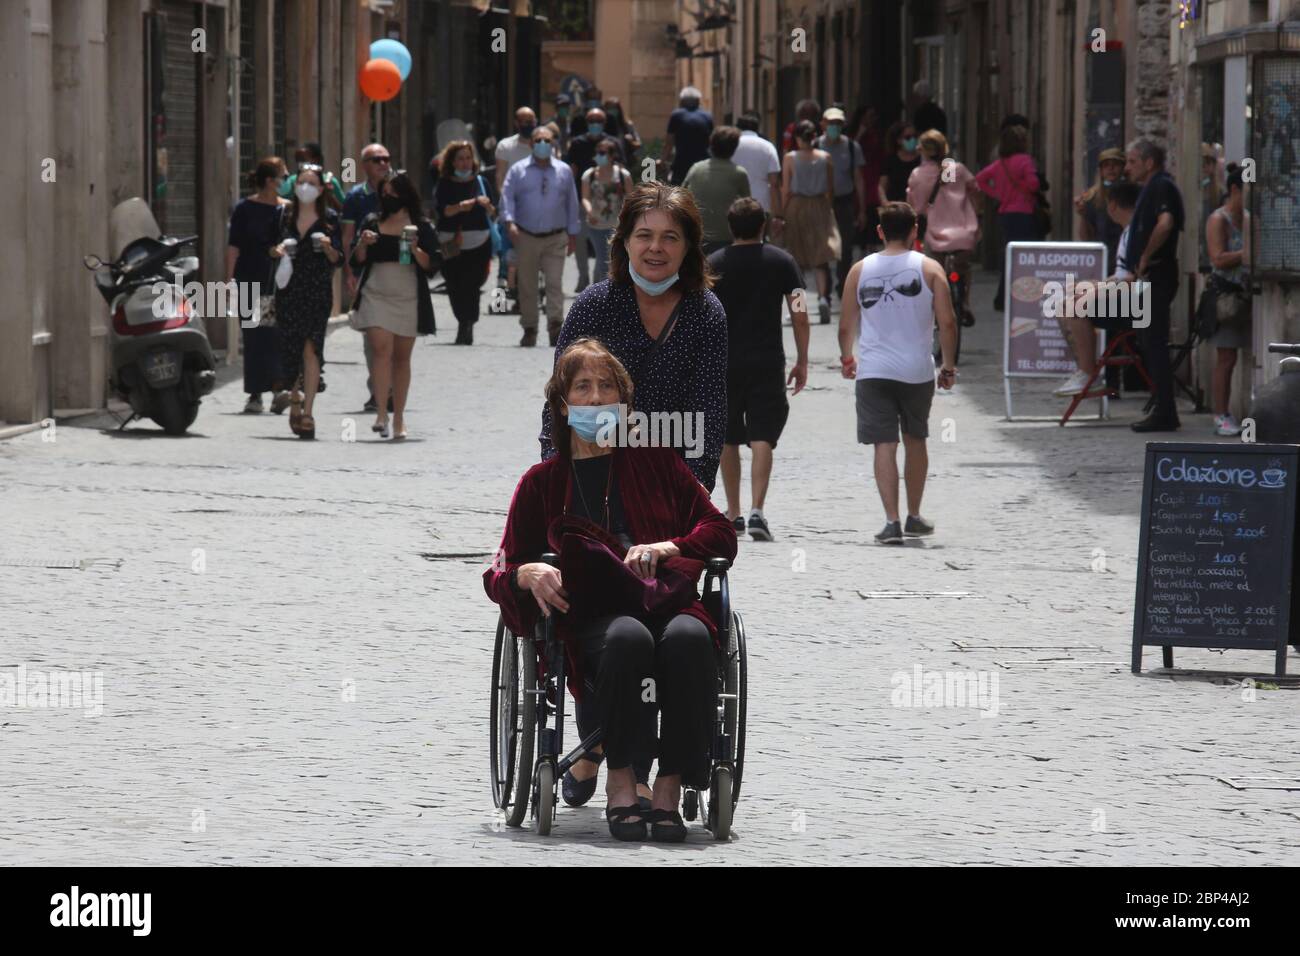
<point>752,285</point>
<point>1160,194</point>
<point>930,115</point>
<point>452,191</point>
<point>898,171</point>
<point>589,496</point>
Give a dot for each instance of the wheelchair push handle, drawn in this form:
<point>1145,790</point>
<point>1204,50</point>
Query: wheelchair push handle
<point>551,558</point>
<point>1284,348</point>
<point>718,564</point>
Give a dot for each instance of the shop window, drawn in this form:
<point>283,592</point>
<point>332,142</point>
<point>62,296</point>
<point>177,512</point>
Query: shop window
<point>1275,194</point>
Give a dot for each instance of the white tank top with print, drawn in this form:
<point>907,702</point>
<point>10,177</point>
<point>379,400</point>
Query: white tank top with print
<point>895,319</point>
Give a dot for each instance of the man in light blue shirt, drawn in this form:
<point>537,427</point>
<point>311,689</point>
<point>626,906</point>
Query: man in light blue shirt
<point>539,206</point>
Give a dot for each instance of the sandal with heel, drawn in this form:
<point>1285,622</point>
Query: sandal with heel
<point>577,792</point>
<point>620,828</point>
<point>306,427</point>
<point>666,826</point>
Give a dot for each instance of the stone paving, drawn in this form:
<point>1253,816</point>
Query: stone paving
<point>295,645</point>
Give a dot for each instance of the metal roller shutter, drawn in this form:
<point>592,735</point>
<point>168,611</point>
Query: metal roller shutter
<point>179,132</point>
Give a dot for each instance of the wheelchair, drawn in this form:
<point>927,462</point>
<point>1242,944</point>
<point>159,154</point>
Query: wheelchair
<point>528,713</point>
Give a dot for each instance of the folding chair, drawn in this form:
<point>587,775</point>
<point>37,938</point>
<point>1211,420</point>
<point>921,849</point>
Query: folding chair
<point>1120,352</point>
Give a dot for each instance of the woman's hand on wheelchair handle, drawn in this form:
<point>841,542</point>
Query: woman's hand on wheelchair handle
<point>543,580</point>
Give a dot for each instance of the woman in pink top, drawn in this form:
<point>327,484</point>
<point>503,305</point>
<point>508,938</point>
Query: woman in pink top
<point>1013,181</point>
<point>951,227</point>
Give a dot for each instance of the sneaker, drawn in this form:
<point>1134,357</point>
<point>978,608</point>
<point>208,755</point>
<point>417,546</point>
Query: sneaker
<point>892,533</point>
<point>254,405</point>
<point>371,405</point>
<point>758,529</point>
<point>917,527</point>
<point>1073,385</point>
<point>280,402</point>
<point>825,311</point>
<point>1226,425</point>
<point>738,523</point>
<point>553,332</point>
<point>529,339</point>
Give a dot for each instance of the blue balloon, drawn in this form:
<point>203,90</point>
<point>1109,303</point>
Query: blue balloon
<point>395,52</point>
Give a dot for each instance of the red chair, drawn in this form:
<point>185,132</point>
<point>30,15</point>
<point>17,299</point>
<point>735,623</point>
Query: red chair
<point>1120,351</point>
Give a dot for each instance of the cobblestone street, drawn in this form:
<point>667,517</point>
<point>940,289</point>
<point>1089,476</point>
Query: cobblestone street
<point>296,647</point>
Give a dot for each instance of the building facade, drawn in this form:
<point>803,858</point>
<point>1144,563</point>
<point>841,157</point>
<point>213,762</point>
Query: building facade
<point>175,101</point>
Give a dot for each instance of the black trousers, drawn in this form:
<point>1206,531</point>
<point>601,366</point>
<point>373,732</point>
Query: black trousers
<point>639,672</point>
<point>846,216</point>
<point>465,274</point>
<point>1154,343</point>
<point>1016,227</point>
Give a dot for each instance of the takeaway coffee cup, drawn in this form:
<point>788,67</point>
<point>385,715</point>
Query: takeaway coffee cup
<point>318,241</point>
<point>290,247</point>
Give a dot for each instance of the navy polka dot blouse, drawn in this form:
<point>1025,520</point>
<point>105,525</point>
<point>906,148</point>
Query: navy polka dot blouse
<point>688,373</point>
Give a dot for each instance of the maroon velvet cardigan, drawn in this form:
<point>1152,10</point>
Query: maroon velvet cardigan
<point>662,501</point>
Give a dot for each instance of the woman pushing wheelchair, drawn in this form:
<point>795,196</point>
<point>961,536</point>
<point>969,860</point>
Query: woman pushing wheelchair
<point>633,529</point>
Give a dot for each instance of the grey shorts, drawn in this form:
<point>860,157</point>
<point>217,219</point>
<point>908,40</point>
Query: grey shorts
<point>885,406</point>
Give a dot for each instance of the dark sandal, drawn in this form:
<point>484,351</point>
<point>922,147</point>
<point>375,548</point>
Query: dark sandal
<point>666,826</point>
<point>576,792</point>
<point>620,828</point>
<point>306,427</point>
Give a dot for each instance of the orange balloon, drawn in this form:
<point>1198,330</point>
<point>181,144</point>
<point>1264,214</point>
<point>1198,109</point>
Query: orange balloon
<point>380,80</point>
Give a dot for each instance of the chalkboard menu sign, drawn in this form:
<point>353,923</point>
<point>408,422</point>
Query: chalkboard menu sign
<point>1217,550</point>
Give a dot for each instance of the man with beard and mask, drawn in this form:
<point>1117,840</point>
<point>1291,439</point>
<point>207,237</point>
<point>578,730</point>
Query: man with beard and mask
<point>581,157</point>
<point>509,151</point>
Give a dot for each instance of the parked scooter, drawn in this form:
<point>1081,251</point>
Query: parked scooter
<point>1276,409</point>
<point>162,363</point>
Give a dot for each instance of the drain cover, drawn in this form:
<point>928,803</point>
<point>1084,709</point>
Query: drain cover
<point>61,564</point>
<point>872,595</point>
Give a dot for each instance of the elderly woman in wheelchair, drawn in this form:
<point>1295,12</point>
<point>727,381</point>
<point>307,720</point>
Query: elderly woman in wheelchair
<point>633,530</point>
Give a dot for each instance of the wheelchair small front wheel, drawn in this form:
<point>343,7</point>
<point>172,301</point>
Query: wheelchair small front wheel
<point>545,805</point>
<point>690,804</point>
<point>720,803</point>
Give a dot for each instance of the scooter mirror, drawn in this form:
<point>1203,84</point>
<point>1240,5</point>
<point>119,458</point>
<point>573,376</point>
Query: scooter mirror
<point>92,262</point>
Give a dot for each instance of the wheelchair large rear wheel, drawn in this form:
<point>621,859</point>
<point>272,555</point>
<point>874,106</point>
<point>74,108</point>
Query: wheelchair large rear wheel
<point>736,711</point>
<point>513,724</point>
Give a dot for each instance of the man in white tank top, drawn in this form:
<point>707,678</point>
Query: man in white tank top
<point>891,301</point>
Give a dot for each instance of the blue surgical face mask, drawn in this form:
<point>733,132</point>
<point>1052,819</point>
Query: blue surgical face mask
<point>595,129</point>
<point>589,420</point>
<point>652,288</point>
<point>463,173</point>
<point>833,130</point>
<point>1108,183</point>
<point>602,159</point>
<point>542,150</point>
<point>909,144</point>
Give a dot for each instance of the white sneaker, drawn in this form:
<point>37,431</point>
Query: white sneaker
<point>1074,384</point>
<point>1226,425</point>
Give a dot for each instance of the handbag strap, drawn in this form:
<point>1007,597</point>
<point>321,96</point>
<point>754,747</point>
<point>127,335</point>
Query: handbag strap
<point>938,183</point>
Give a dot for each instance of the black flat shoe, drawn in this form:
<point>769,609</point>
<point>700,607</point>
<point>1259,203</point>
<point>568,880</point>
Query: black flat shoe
<point>1157,423</point>
<point>577,792</point>
<point>620,828</point>
<point>666,826</point>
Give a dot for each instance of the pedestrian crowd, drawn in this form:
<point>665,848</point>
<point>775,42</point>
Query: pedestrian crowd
<point>683,287</point>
